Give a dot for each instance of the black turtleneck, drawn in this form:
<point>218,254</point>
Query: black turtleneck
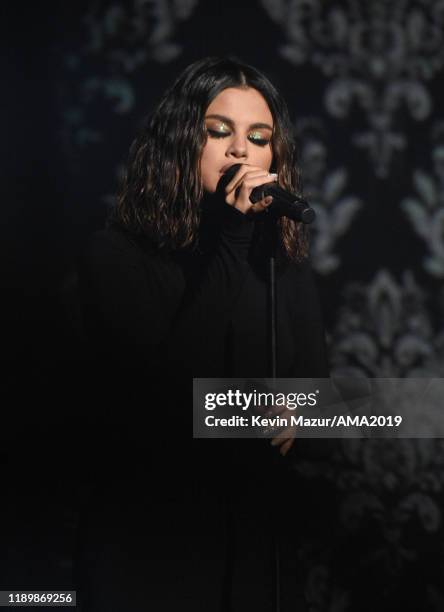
<point>201,313</point>
<point>188,518</point>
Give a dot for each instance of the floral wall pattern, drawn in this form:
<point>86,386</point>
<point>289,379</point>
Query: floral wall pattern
<point>377,56</point>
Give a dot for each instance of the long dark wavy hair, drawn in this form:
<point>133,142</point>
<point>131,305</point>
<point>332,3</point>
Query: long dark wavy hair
<point>162,189</point>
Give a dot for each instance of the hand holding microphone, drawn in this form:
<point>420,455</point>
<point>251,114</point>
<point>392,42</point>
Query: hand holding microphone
<point>238,183</point>
<point>259,188</point>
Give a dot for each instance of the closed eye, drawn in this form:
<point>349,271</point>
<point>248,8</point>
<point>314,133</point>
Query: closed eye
<point>217,133</point>
<point>261,142</point>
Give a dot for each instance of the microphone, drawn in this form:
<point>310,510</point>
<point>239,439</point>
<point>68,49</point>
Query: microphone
<point>285,204</point>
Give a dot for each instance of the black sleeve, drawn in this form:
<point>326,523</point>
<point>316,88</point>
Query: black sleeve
<point>311,360</point>
<point>129,298</point>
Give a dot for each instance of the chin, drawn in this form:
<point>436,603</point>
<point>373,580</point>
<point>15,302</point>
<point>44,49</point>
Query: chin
<point>210,187</point>
<point>209,190</point>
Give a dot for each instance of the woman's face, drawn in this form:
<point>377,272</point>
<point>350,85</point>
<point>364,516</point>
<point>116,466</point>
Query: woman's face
<point>239,126</point>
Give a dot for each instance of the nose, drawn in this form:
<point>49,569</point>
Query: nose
<point>238,146</point>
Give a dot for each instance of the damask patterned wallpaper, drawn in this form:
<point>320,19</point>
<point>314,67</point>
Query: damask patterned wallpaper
<point>363,81</point>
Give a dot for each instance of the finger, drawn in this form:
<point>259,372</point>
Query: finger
<point>249,183</point>
<point>286,446</point>
<point>260,206</point>
<point>249,179</point>
<point>283,435</point>
<point>240,196</point>
<point>278,441</point>
<point>243,170</point>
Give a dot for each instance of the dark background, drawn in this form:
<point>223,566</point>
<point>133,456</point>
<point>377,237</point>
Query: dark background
<point>363,82</point>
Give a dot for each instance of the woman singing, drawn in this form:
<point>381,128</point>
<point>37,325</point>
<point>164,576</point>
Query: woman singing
<point>175,287</point>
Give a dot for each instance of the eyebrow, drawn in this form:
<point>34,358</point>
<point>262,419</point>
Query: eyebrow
<point>231,122</point>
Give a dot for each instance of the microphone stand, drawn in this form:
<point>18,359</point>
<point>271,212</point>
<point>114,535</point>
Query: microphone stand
<point>271,229</point>
<point>272,237</point>
<point>272,298</point>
